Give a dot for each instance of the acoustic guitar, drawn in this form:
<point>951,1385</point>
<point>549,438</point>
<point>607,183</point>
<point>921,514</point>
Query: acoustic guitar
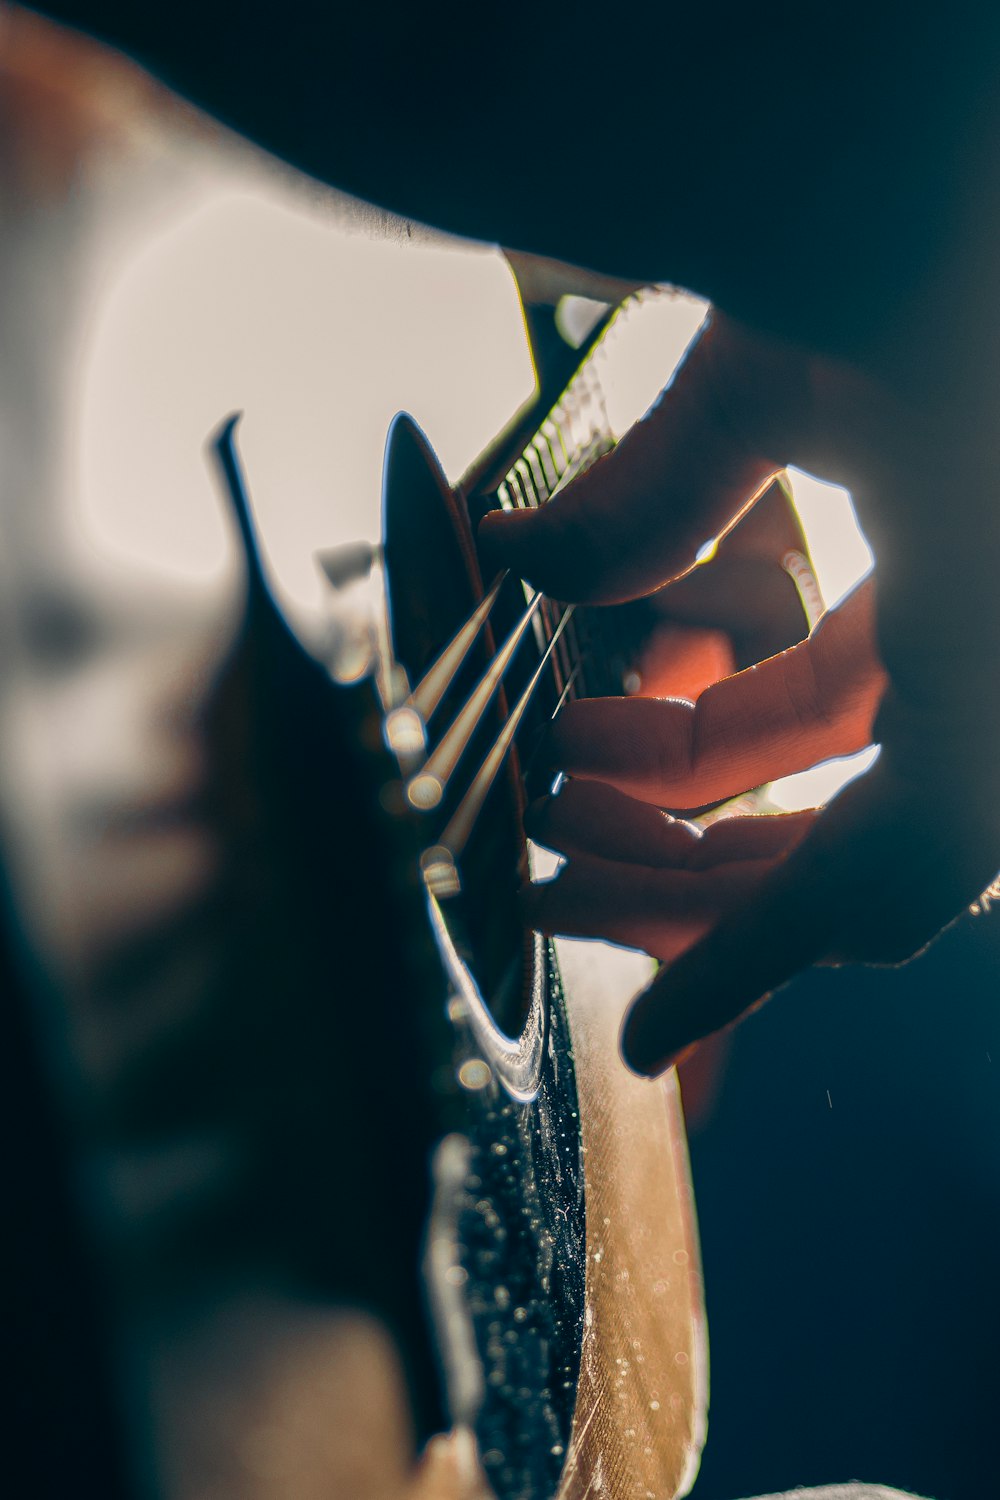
<point>537,1257</point>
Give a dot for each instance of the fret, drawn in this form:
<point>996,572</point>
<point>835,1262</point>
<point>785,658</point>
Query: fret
<point>576,649</point>
<point>595,449</point>
<point>557,421</point>
<point>572,436</point>
<point>547,461</point>
<point>541,485</point>
<point>527,482</point>
<point>514,481</point>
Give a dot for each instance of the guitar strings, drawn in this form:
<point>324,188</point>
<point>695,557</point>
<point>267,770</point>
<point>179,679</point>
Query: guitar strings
<point>426,789</point>
<point>574,434</point>
<point>456,834</point>
<point>571,437</point>
<point>436,681</point>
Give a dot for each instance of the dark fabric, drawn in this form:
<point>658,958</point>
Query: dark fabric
<point>848,1190</point>
<point>825,172</point>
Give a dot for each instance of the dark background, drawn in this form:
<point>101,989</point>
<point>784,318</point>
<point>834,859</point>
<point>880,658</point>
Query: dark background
<point>850,1242</point>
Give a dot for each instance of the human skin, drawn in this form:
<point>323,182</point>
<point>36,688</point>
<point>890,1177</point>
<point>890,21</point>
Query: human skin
<point>831,182</point>
<point>904,661</point>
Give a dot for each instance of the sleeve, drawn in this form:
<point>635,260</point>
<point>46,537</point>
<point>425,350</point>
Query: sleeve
<point>825,175</point>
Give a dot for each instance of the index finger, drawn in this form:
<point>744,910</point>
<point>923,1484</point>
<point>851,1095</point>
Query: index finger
<point>685,473</point>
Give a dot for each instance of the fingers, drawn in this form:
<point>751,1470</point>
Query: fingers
<point>681,661</point>
<point>736,594</point>
<point>589,819</point>
<point>770,529</point>
<point>816,700</point>
<point>660,910</point>
<point>874,881</point>
<point>639,877</point>
<point>680,477</point>
<point>754,601</point>
<point>756,597</point>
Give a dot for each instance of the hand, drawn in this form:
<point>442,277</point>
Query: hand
<point>902,850</point>
<point>758,597</point>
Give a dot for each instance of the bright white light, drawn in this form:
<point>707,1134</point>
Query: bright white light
<point>639,359</point>
<point>643,351</point>
<point>545,863</point>
<point>841,558</point>
<point>840,554</point>
<point>261,300</point>
<point>248,295</point>
<point>815,787</point>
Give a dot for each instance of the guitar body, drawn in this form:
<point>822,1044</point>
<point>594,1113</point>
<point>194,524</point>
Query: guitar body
<point>538,1264</point>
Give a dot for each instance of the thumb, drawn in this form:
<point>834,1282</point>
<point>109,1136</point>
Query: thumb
<point>683,474</point>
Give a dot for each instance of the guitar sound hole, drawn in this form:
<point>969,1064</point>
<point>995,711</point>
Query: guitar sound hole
<point>433,587</point>
<point>520,1214</point>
